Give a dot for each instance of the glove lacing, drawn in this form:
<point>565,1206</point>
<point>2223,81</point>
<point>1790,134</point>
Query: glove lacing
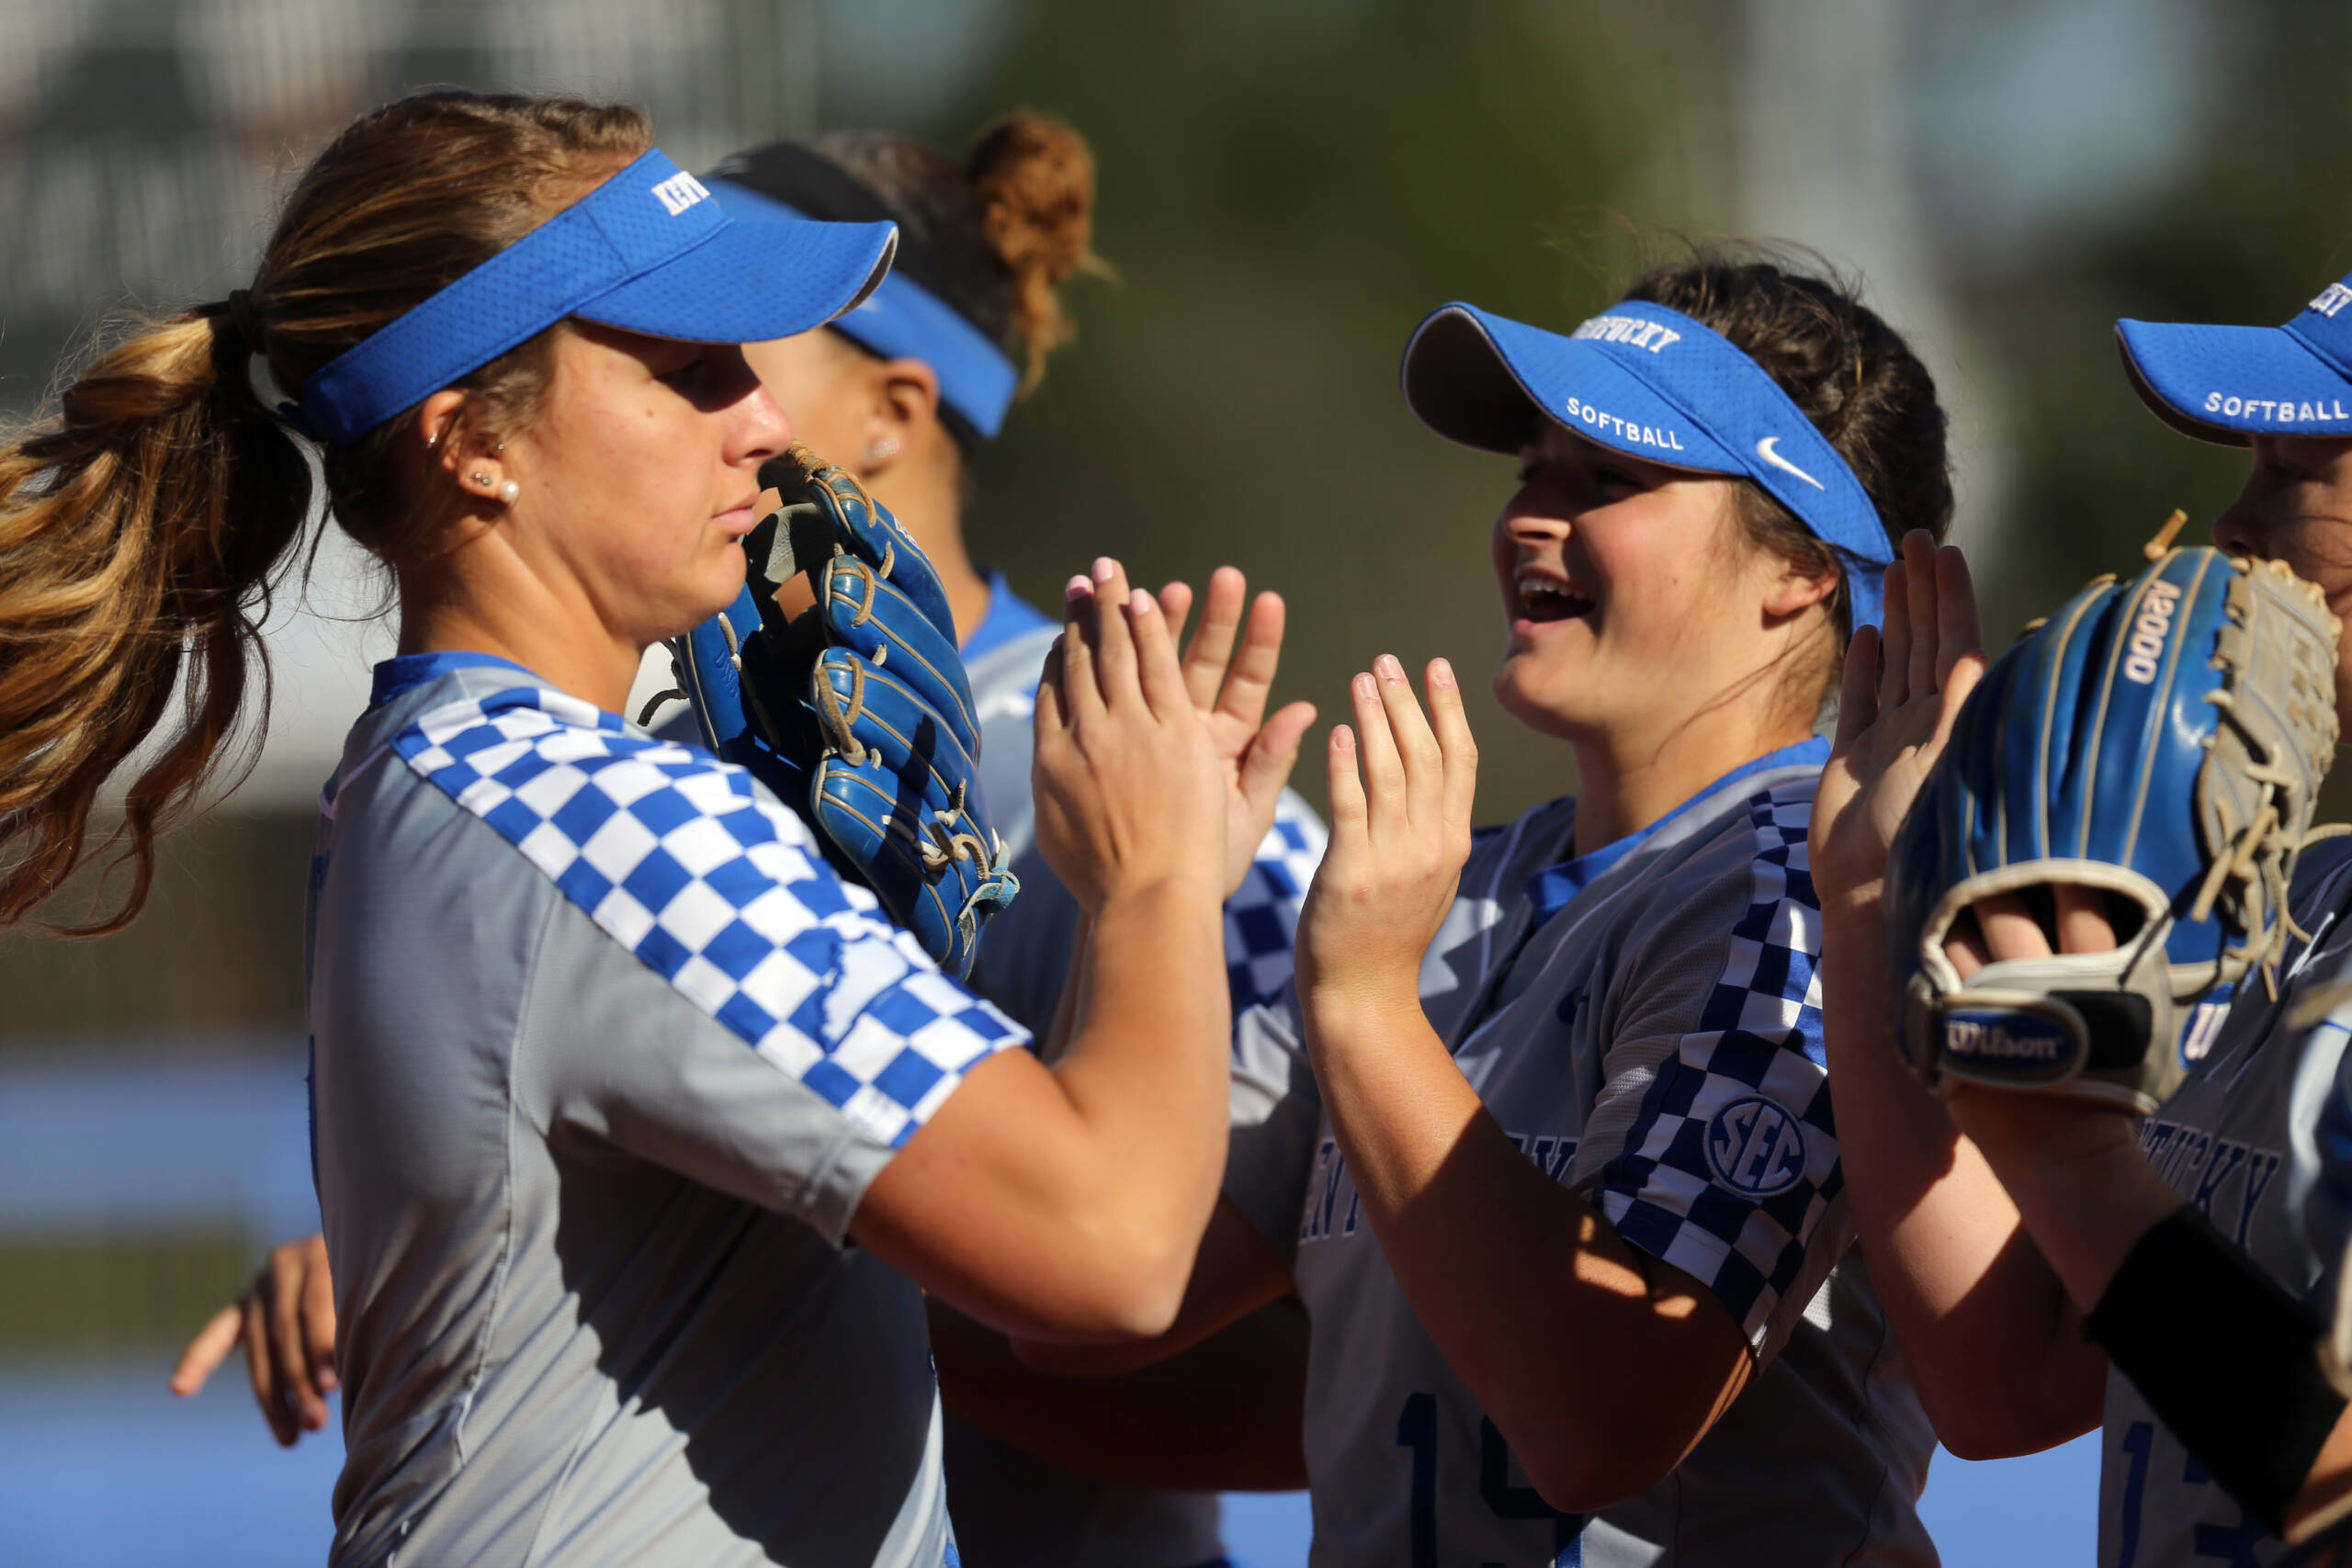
<point>951,844</point>
<point>840,719</point>
<point>2259,850</point>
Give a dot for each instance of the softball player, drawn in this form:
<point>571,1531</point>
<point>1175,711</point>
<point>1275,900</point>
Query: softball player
<point>1542,1138</point>
<point>610,1070</point>
<point>905,387</point>
<point>2053,1266</point>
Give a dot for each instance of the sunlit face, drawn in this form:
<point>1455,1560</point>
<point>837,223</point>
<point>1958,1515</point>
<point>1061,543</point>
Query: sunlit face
<point>2296,509</point>
<point>636,481</point>
<point>820,379</point>
<point>1632,594</point>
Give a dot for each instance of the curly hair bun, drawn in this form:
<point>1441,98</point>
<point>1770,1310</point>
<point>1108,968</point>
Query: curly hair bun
<point>1036,181</point>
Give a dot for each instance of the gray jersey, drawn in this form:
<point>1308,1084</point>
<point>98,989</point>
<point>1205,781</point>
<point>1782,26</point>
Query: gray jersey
<point>1655,1044</point>
<point>2240,1141</point>
<point>1013,1510</point>
<point>604,1059</point>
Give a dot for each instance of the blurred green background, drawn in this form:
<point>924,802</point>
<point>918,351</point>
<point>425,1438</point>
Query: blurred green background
<point>1287,186</point>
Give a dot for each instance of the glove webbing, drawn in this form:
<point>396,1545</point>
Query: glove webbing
<point>2237,870</point>
<point>2263,842</point>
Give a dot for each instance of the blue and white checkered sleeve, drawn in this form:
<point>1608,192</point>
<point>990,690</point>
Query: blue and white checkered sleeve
<point>1722,1159</point>
<point>1261,918</point>
<point>704,879</point>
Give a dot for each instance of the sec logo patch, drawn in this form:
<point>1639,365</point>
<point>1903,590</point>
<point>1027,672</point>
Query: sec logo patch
<point>1756,1148</point>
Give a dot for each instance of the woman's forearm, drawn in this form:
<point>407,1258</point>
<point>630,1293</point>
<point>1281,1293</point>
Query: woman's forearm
<point>1147,1059</point>
<point>2076,1174</point>
<point>1065,1020</point>
<point>1224,1415</point>
<point>1515,1278</point>
<point>1993,1345</point>
<point>1066,1204</point>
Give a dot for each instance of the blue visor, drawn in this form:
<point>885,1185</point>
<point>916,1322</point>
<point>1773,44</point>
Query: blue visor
<point>647,251</point>
<point>1653,384</point>
<point>2224,384</point>
<point>903,319</point>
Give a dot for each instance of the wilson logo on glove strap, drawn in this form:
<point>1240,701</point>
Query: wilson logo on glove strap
<point>2011,1044</point>
<point>2149,629</point>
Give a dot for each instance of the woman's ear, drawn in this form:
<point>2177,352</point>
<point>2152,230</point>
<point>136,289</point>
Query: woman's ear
<point>904,420</point>
<point>1793,589</point>
<point>454,453</point>
<point>437,428</point>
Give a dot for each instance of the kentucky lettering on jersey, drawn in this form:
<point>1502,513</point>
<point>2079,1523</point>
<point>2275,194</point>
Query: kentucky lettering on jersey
<point>1551,1152</point>
<point>1333,1207</point>
<point>2237,1141</point>
<point>1326,1216</point>
<point>1653,1044</point>
<point>2199,1164</point>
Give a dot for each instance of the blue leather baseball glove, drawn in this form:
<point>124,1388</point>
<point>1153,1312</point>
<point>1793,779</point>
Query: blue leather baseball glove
<point>856,713</point>
<point>2161,740</point>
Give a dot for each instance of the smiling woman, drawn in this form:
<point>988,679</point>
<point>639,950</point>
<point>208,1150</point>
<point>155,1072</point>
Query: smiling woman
<point>1569,1072</point>
<point>609,1067</point>
<point>1541,1135</point>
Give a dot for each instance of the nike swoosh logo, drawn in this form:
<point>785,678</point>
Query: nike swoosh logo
<point>1764,450</point>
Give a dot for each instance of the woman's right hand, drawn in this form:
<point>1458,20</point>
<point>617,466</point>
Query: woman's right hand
<point>1129,785</point>
<point>1402,789</point>
<point>1895,716</point>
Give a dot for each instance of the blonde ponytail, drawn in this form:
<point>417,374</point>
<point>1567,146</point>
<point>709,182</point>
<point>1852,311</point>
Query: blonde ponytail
<point>139,528</point>
<point>143,521</point>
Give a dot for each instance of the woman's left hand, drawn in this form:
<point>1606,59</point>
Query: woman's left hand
<point>1399,835</point>
<point>1230,690</point>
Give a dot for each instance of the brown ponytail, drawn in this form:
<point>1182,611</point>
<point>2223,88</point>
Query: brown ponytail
<point>143,521</point>
<point>1035,177</point>
<point>1008,226</point>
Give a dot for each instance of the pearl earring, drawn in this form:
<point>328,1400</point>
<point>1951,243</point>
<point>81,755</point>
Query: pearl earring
<point>508,491</point>
<point>881,450</point>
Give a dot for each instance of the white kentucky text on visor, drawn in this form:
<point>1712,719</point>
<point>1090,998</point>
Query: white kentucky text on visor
<point>1639,333</point>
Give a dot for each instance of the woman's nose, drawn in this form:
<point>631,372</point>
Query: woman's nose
<point>2237,531</point>
<point>761,430</point>
<point>753,429</point>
